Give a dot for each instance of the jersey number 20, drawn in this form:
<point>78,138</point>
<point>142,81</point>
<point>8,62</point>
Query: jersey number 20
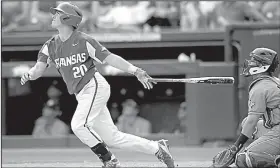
<point>79,71</point>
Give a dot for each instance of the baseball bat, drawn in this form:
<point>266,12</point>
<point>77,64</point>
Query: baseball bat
<point>207,80</point>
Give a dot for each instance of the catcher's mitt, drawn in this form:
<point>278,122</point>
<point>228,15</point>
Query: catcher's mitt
<point>226,157</point>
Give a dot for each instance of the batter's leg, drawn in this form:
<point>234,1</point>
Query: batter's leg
<point>99,120</point>
<point>114,138</point>
<point>91,101</point>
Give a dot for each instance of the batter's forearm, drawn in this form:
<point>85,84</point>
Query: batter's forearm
<point>33,73</point>
<point>120,63</point>
<point>37,70</point>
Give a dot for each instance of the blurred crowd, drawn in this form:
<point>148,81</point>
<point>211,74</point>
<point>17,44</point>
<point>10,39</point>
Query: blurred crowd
<point>49,124</point>
<point>141,16</point>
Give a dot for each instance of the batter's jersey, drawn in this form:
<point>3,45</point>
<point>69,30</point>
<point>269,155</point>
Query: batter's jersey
<point>74,58</point>
<point>264,99</point>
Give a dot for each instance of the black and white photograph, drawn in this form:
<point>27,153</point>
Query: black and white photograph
<point>140,83</point>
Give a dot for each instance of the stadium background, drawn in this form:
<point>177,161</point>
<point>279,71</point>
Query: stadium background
<point>214,112</point>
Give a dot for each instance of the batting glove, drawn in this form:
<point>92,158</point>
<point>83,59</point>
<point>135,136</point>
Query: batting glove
<point>25,77</point>
<point>143,77</point>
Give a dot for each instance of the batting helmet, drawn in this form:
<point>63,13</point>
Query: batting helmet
<point>71,14</point>
<point>262,60</point>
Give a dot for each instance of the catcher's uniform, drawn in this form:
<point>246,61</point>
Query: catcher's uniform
<point>264,99</point>
<point>75,60</point>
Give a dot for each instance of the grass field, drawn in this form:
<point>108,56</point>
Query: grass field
<point>83,157</point>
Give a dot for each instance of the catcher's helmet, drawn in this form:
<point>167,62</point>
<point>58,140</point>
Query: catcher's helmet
<point>262,60</point>
<point>72,15</point>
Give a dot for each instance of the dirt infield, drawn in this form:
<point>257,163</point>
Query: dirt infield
<point>83,157</point>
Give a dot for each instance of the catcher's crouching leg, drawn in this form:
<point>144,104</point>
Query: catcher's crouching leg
<point>251,159</point>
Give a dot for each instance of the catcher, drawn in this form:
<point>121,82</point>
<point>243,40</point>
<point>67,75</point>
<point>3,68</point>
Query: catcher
<point>263,120</point>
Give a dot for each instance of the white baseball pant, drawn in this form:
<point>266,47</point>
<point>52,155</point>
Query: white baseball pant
<point>92,122</point>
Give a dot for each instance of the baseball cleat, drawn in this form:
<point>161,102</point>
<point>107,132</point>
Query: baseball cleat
<point>114,163</point>
<point>164,154</point>
<point>277,161</point>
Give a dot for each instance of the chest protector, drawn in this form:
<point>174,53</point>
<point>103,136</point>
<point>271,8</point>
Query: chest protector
<point>267,120</point>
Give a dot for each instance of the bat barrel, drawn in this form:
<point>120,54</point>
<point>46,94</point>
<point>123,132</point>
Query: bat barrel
<point>228,80</point>
<point>206,80</point>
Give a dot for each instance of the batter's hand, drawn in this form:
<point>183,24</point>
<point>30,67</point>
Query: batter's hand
<point>143,77</point>
<point>25,77</point>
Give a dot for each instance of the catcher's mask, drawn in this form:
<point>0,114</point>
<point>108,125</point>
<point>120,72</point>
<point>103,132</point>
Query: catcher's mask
<point>72,15</point>
<point>262,59</point>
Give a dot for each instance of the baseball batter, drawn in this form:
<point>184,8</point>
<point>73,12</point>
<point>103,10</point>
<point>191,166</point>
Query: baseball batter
<point>263,107</point>
<point>75,55</point>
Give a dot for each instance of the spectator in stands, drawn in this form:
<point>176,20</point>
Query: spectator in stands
<point>271,10</point>
<point>40,14</point>
<point>192,17</point>
<point>49,125</point>
<point>207,6</point>
<point>15,14</point>
<point>14,87</point>
<point>125,15</point>
<point>256,4</point>
<point>228,12</point>
<point>179,126</point>
<point>163,16</point>
<point>100,8</point>
<point>182,116</point>
<point>130,122</point>
<point>54,92</point>
<point>89,17</point>
<point>115,113</point>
